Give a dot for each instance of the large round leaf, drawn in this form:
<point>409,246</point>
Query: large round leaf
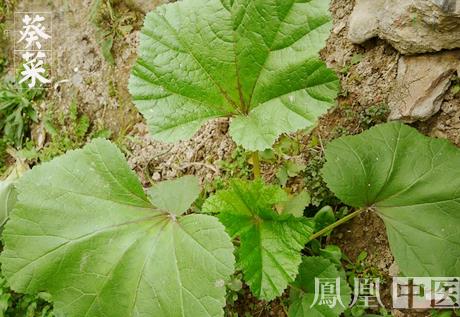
<point>414,184</point>
<point>253,60</point>
<point>84,231</point>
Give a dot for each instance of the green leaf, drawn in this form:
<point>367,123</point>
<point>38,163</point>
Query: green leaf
<point>324,217</point>
<point>106,49</point>
<point>7,199</point>
<point>413,183</point>
<point>270,244</point>
<point>332,253</point>
<point>287,170</point>
<point>296,205</point>
<point>455,89</point>
<point>175,196</point>
<point>8,193</point>
<point>254,61</point>
<point>356,59</point>
<point>103,134</point>
<point>84,231</point>
<point>302,295</point>
<point>362,256</point>
<point>50,128</point>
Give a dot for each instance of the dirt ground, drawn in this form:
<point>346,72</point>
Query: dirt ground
<point>367,76</point>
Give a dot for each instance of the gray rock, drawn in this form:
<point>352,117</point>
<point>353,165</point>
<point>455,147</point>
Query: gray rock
<point>411,26</point>
<point>77,79</point>
<point>421,84</point>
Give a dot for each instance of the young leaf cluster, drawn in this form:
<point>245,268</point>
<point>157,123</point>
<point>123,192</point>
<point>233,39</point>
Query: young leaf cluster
<point>17,111</point>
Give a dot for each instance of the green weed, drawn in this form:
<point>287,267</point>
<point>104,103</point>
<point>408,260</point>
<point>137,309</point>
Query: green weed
<point>373,115</point>
<point>444,313</point>
<point>20,305</point>
<point>314,183</point>
<point>236,166</point>
<point>355,60</point>
<point>455,87</point>
<point>113,20</point>
<point>360,269</point>
<point>65,131</point>
<point>6,8</point>
<point>17,111</point>
<point>357,119</point>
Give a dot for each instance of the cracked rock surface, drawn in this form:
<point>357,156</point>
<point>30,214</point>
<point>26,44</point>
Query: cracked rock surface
<point>421,85</point>
<point>411,26</point>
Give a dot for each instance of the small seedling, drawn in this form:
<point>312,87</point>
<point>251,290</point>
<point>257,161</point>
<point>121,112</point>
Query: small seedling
<point>442,313</point>
<point>374,115</point>
<point>360,268</point>
<point>355,59</point>
<point>114,20</point>
<point>455,88</point>
<point>287,170</point>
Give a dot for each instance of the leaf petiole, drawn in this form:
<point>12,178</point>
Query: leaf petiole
<point>336,224</point>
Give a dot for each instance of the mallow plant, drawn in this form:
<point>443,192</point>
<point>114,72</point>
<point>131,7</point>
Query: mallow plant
<point>255,62</point>
<point>84,230</point>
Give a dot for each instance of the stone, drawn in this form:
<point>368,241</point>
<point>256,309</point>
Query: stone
<point>411,26</point>
<point>77,79</point>
<point>421,84</point>
<point>397,313</point>
<point>393,270</point>
<point>156,177</point>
